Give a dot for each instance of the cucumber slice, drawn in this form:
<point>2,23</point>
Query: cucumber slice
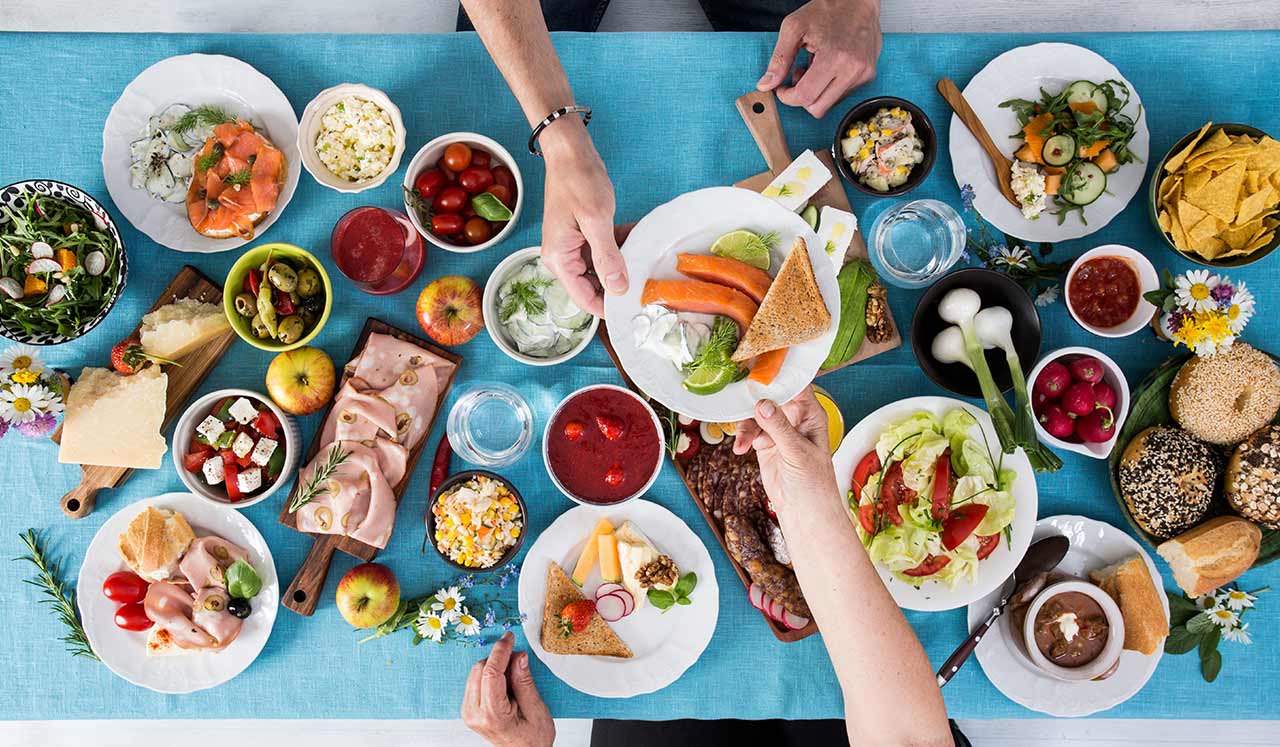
<point>1099,98</point>
<point>1082,91</point>
<point>810,215</point>
<point>1059,150</point>
<point>1083,184</point>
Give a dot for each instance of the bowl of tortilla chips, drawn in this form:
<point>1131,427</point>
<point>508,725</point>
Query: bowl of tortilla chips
<point>1216,196</point>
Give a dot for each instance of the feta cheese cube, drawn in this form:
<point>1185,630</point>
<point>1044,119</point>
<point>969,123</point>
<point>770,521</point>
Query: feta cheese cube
<point>249,480</point>
<point>242,445</point>
<point>211,428</point>
<point>214,470</point>
<point>835,233</point>
<point>263,450</point>
<point>243,411</point>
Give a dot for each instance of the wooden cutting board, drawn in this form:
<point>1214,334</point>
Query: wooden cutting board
<point>183,382</point>
<point>303,593</point>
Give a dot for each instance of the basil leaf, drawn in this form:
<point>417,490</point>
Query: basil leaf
<point>661,599</point>
<point>686,584</point>
<point>243,581</point>
<point>489,207</point>
<point>683,600</point>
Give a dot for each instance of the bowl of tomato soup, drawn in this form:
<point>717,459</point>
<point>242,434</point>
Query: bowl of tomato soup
<point>603,445</point>
<point>1105,289</point>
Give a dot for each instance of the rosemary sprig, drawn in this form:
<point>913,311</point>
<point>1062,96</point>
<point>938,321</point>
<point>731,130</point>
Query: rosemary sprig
<point>206,115</point>
<point>56,593</point>
<point>318,484</point>
<point>239,178</point>
<point>524,295</point>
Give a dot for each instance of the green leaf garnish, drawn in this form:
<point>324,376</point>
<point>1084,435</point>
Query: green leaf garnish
<point>210,116</point>
<point>524,295</point>
<point>210,159</point>
<point>239,178</point>
<point>488,206</point>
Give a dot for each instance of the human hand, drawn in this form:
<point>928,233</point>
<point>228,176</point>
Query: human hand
<point>488,707</point>
<point>578,236</point>
<point>844,38</point>
<point>792,446</point>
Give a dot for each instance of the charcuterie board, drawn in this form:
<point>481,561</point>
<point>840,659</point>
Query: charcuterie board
<point>303,593</point>
<point>183,380</point>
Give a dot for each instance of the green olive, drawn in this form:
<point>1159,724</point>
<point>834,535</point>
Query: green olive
<point>259,328</point>
<point>283,277</point>
<point>291,329</point>
<point>308,282</point>
<point>246,304</point>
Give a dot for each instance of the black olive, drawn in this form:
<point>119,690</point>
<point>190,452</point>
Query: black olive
<point>239,607</point>
<point>313,304</point>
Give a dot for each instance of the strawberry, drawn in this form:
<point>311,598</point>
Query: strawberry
<point>573,430</point>
<point>128,357</point>
<point>575,616</point>
<point>614,476</point>
<point>610,427</point>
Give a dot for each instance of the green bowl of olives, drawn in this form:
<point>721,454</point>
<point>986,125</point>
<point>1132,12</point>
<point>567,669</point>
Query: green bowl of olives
<point>277,297</point>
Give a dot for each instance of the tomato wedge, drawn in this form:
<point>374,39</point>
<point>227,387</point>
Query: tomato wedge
<point>987,544</point>
<point>267,425</point>
<point>867,517</point>
<point>868,466</point>
<point>961,523</point>
<point>231,473</point>
<point>894,492</point>
<point>929,566</point>
<point>193,461</point>
<point>942,486</point>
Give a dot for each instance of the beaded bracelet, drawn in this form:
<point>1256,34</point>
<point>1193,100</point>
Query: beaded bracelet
<point>553,116</point>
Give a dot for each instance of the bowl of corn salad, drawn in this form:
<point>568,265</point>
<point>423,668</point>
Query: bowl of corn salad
<point>476,521</point>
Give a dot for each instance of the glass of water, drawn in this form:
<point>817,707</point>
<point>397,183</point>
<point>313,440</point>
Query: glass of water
<point>490,425</point>
<point>913,242</point>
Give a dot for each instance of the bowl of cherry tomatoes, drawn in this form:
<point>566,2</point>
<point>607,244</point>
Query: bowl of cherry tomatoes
<point>463,192</point>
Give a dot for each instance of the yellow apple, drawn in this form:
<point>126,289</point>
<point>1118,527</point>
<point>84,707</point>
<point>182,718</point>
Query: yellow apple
<point>301,380</point>
<point>368,595</point>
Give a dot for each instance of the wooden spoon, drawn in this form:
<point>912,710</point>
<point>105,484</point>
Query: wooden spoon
<point>1003,165</point>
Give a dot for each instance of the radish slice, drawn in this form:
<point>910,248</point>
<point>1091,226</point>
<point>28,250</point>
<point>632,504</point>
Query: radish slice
<point>56,295</point>
<point>776,610</point>
<point>95,262</point>
<point>611,608</point>
<point>756,596</point>
<point>627,599</point>
<point>41,250</point>
<point>795,622</point>
<point>39,266</point>
<point>12,288</point>
<point>604,589</point>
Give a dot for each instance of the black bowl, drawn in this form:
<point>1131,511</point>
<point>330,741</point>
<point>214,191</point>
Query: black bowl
<point>996,289</point>
<point>924,130</point>
<point>453,481</point>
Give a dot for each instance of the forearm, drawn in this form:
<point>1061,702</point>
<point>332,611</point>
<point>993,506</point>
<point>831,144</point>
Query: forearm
<point>879,661</point>
<point>516,36</point>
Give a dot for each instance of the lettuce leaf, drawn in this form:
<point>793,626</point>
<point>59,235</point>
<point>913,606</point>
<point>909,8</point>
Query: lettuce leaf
<point>918,468</point>
<point>972,459</point>
<point>1000,510</point>
<point>901,437</point>
<point>900,547</point>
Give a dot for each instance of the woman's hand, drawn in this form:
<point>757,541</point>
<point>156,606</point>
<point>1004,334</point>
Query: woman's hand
<point>502,704</point>
<point>844,38</point>
<point>792,446</point>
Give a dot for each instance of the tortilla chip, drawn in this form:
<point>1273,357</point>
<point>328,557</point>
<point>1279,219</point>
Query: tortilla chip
<point>1210,247</point>
<point>1164,221</point>
<point>1217,141</point>
<point>1219,196</point>
<point>1174,163</point>
<point>1195,180</point>
<point>1265,156</point>
<point>1252,179</point>
<point>1255,204</point>
<point>1219,160</point>
<point>1189,214</point>
<point>1179,234</point>
<point>1206,228</point>
<point>791,313</point>
<point>1238,237</point>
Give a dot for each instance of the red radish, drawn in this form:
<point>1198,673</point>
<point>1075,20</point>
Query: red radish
<point>1056,423</point>
<point>604,589</point>
<point>611,608</point>
<point>687,423</point>
<point>1104,395</point>
<point>1087,368</point>
<point>687,446</point>
<point>627,599</point>
<point>755,595</point>
<point>1078,399</point>
<point>1097,427</point>
<point>1038,402</point>
<point>1053,380</point>
<point>795,622</point>
<point>775,609</point>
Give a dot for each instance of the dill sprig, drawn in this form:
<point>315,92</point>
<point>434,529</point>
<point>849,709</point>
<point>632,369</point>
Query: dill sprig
<point>239,178</point>
<point>318,484</point>
<point>207,115</point>
<point>210,159</point>
<point>56,593</point>
<point>524,295</point>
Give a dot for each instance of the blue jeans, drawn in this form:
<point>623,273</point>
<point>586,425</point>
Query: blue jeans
<point>724,15</point>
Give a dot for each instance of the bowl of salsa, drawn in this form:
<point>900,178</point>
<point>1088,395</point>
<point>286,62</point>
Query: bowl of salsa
<point>1105,289</point>
<point>603,445</point>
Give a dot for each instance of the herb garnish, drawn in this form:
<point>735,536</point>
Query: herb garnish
<point>209,116</point>
<point>210,159</point>
<point>524,295</point>
<point>56,593</point>
<point>239,178</point>
<point>318,484</point>
<point>679,594</point>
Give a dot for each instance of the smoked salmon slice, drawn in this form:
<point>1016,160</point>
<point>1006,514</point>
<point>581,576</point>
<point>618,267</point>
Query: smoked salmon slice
<point>767,365</point>
<point>230,195</point>
<point>701,297</point>
<point>726,271</point>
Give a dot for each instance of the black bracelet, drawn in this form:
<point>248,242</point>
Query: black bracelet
<point>553,116</point>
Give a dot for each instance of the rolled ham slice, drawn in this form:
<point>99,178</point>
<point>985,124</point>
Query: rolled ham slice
<point>357,502</point>
<point>172,609</point>
<point>207,561</point>
<point>359,415</point>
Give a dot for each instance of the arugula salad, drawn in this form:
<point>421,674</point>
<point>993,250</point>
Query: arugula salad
<point>929,500</point>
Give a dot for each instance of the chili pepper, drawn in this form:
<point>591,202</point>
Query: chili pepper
<point>439,471</point>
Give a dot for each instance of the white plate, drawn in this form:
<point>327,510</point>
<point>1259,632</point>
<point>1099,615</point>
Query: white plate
<point>664,644</point>
<point>1094,545</point>
<point>691,223</point>
<point>1021,73</point>
<point>194,79</point>
<point>999,565</point>
<point>125,652</point>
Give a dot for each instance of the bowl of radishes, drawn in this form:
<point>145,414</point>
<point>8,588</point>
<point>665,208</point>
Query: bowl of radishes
<point>1080,398</point>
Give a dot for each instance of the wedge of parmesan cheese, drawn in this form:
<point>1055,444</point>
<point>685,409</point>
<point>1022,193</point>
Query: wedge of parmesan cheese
<point>115,421</point>
<point>176,329</point>
<point>798,182</point>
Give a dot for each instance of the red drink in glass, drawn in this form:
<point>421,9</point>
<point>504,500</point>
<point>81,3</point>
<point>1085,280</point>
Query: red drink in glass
<point>377,249</point>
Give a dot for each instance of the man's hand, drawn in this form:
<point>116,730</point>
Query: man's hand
<point>844,38</point>
<point>791,444</point>
<point>501,703</point>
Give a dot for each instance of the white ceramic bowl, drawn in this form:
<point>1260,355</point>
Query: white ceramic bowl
<point>427,156</point>
<point>1148,280</point>
<point>657,467</point>
<point>1113,376</point>
<point>1115,636</point>
<point>309,129</point>
<point>197,412</point>
<point>498,332</point>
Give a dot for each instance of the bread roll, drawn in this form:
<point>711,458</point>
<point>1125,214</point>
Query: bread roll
<point>1130,584</point>
<point>154,542</point>
<point>1252,486</point>
<point>1212,554</point>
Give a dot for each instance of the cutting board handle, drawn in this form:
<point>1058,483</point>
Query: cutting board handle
<point>304,591</point>
<point>759,109</point>
<point>80,502</point>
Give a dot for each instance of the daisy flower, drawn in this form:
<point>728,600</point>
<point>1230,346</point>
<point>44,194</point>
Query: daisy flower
<point>1223,616</point>
<point>1237,599</point>
<point>466,624</point>
<point>20,356</point>
<point>1194,290</point>
<point>22,403</point>
<point>1048,295</point>
<point>448,604</point>
<point>1238,635</point>
<point>429,626</point>
<point>1206,602</point>
<point>1015,258</point>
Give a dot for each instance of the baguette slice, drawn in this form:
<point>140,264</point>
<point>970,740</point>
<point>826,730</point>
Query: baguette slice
<point>154,542</point>
<point>792,311</point>
<point>597,640</point>
<point>1130,584</point>
<point>1212,554</point>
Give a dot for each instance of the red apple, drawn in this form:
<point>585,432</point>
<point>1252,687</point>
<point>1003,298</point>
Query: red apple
<point>301,381</point>
<point>368,595</point>
<point>449,309</point>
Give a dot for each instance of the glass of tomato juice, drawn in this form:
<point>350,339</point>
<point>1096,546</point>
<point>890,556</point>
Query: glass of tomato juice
<point>377,249</point>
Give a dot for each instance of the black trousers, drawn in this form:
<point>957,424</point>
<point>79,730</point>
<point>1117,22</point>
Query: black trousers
<point>727,733</point>
<point>724,15</point>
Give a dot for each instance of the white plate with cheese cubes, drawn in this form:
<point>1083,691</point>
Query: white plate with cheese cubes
<point>253,448</point>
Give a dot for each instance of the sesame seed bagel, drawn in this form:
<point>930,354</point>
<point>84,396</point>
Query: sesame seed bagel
<point>1253,477</point>
<point>1167,478</point>
<point>1222,398</point>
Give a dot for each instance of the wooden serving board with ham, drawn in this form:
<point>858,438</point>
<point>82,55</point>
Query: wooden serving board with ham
<point>183,380</point>
<point>303,593</point>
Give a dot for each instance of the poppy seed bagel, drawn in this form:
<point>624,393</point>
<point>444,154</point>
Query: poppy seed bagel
<point>1167,478</point>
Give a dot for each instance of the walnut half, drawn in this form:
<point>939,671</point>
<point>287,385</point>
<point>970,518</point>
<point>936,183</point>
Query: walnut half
<point>661,571</point>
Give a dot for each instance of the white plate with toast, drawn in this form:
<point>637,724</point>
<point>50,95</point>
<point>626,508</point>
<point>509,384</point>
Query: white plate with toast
<point>1094,546</point>
<point>662,644</point>
<point>125,652</point>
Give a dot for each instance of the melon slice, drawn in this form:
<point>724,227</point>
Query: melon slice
<point>587,560</point>
<point>610,568</point>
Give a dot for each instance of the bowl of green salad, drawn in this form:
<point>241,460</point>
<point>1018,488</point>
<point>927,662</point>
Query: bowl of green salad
<point>62,262</point>
<point>530,316</point>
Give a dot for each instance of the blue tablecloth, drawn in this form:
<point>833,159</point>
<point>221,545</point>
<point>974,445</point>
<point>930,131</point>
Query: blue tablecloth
<point>665,124</point>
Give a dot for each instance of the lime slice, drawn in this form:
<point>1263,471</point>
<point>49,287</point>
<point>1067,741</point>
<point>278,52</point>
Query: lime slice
<point>744,246</point>
<point>710,379</point>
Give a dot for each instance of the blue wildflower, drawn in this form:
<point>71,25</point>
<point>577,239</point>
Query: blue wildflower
<point>966,196</point>
<point>489,618</point>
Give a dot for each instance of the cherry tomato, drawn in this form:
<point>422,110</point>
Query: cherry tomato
<point>475,180</point>
<point>457,156</point>
<point>429,183</point>
<point>446,224</point>
<point>477,231</point>
<point>929,566</point>
<point>987,545</point>
<point>450,200</point>
<point>133,617</point>
<point>942,486</point>
<point>502,193</point>
<point>502,175</point>
<point>124,587</point>
<point>480,158</point>
<point>449,175</point>
<point>961,523</point>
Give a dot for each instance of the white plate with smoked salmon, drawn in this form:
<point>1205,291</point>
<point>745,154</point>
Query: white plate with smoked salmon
<point>732,299</point>
<point>200,152</point>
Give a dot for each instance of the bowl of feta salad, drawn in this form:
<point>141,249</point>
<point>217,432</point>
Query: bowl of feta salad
<point>884,146</point>
<point>351,137</point>
<point>530,316</point>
